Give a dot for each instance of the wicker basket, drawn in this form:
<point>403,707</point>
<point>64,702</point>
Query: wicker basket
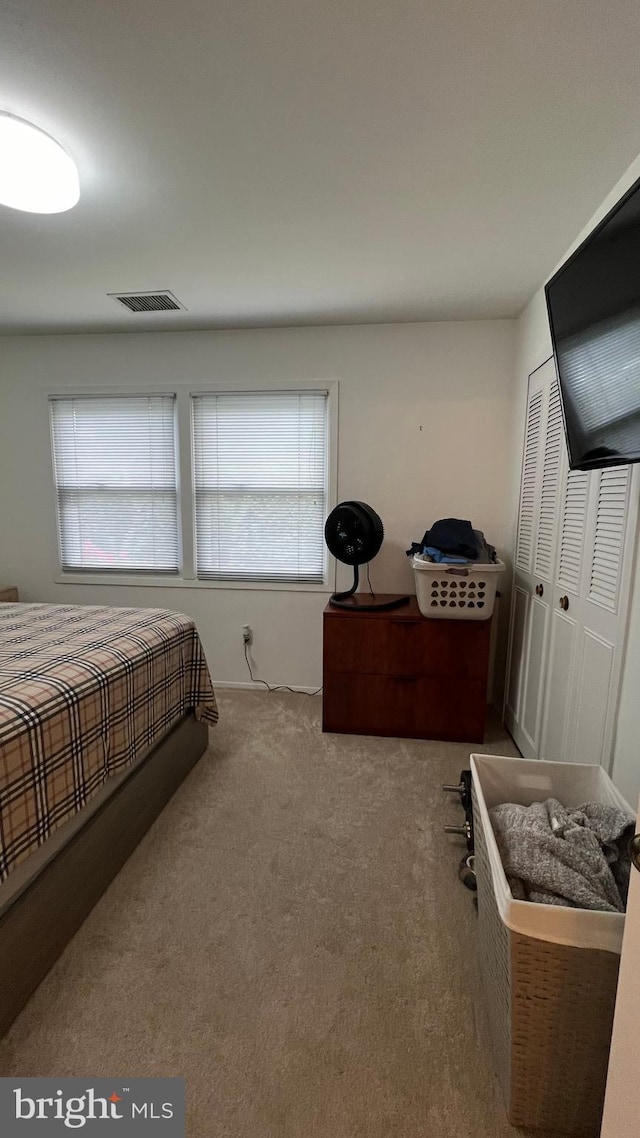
<point>550,1004</point>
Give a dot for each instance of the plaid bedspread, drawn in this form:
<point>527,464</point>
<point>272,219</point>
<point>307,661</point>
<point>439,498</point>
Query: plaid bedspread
<point>84,691</point>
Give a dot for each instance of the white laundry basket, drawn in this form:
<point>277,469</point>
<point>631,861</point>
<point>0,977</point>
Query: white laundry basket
<point>456,592</point>
<point>549,973</point>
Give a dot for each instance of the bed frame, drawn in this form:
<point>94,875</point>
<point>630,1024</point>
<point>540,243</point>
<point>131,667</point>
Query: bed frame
<point>37,923</point>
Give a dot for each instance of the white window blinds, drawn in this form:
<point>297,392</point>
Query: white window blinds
<point>116,482</point>
<point>602,370</point>
<point>260,481</point>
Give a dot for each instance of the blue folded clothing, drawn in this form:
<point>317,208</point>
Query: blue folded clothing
<point>443,558</point>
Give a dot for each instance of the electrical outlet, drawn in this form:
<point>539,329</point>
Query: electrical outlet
<point>247,634</point>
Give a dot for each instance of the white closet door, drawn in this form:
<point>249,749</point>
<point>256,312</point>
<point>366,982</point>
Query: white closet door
<point>572,578</point>
<point>565,624</point>
<point>535,560</point>
<point>590,600</point>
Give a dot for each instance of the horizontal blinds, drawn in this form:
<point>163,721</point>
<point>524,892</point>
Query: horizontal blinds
<point>260,481</point>
<point>602,373</point>
<point>116,481</point>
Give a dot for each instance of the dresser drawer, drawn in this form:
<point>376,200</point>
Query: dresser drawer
<point>404,647</point>
<point>410,707</point>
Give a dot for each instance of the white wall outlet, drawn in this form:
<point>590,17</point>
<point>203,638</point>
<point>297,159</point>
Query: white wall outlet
<point>247,634</point>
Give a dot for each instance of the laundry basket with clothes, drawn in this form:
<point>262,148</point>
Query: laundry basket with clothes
<point>551,846</point>
<point>555,855</point>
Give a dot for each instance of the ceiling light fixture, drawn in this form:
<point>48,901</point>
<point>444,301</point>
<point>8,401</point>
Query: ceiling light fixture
<point>36,174</point>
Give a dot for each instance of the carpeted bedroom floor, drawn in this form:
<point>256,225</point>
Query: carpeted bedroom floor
<point>292,937</point>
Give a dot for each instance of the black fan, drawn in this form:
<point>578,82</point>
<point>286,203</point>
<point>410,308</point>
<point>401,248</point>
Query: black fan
<point>354,533</point>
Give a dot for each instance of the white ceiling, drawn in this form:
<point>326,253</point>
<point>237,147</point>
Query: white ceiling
<point>312,161</point>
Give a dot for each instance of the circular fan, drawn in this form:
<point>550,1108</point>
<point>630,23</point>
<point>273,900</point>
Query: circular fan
<point>354,533</point>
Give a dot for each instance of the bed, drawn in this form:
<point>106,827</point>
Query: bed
<point>103,711</point>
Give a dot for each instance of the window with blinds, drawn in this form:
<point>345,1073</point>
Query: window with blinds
<point>601,368</point>
<point>116,481</point>
<point>260,484</point>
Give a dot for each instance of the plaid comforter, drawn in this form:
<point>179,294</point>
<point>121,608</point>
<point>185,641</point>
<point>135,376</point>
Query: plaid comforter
<point>84,691</point>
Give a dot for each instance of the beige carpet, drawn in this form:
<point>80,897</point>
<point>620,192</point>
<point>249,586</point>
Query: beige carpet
<point>292,937</point>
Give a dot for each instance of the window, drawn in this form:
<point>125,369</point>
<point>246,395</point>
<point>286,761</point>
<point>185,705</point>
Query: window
<point>260,484</point>
<point>116,482</point>
<point>249,505</point>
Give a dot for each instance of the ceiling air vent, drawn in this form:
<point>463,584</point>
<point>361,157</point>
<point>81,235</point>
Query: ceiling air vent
<point>148,301</point>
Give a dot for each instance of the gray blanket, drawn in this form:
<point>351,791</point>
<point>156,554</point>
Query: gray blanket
<point>555,856</point>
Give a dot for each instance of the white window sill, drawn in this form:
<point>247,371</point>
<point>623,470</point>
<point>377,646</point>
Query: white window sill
<point>161,582</point>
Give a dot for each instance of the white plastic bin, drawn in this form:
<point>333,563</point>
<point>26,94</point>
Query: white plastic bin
<point>456,592</point>
<point>549,973</point>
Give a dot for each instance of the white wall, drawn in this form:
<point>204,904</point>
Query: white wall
<point>533,347</point>
<point>425,415</point>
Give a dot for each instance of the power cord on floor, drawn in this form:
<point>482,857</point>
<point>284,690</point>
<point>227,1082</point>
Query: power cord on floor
<point>276,687</point>
<point>369,580</point>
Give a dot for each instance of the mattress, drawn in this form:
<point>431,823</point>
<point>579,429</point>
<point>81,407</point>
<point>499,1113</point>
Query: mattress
<point>85,691</point>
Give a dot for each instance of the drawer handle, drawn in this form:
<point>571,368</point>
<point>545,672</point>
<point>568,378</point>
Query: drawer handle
<point>406,679</point>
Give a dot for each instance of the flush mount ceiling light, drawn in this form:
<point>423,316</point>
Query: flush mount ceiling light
<point>36,174</point>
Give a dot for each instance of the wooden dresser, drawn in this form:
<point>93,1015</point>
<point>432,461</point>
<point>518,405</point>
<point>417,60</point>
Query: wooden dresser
<point>395,673</point>
<point>8,594</point>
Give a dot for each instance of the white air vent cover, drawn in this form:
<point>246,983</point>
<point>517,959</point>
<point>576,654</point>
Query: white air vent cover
<point>148,301</point>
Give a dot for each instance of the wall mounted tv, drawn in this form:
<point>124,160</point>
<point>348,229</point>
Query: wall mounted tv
<point>593,303</point>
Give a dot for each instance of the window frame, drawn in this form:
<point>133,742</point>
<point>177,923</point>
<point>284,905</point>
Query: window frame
<point>92,572</point>
<point>195,397</point>
<point>186,577</point>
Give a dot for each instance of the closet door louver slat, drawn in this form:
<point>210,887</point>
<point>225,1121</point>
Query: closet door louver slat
<point>574,516</point>
<point>611,512</point>
<point>526,520</point>
<point>549,491</point>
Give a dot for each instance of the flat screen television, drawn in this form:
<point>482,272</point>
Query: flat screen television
<point>593,303</point>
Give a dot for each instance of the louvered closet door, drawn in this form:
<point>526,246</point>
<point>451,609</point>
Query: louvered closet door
<point>535,560</point>
<point>597,525</point>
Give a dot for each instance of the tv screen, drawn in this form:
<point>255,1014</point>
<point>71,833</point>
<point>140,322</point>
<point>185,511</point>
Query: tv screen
<point>593,303</point>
